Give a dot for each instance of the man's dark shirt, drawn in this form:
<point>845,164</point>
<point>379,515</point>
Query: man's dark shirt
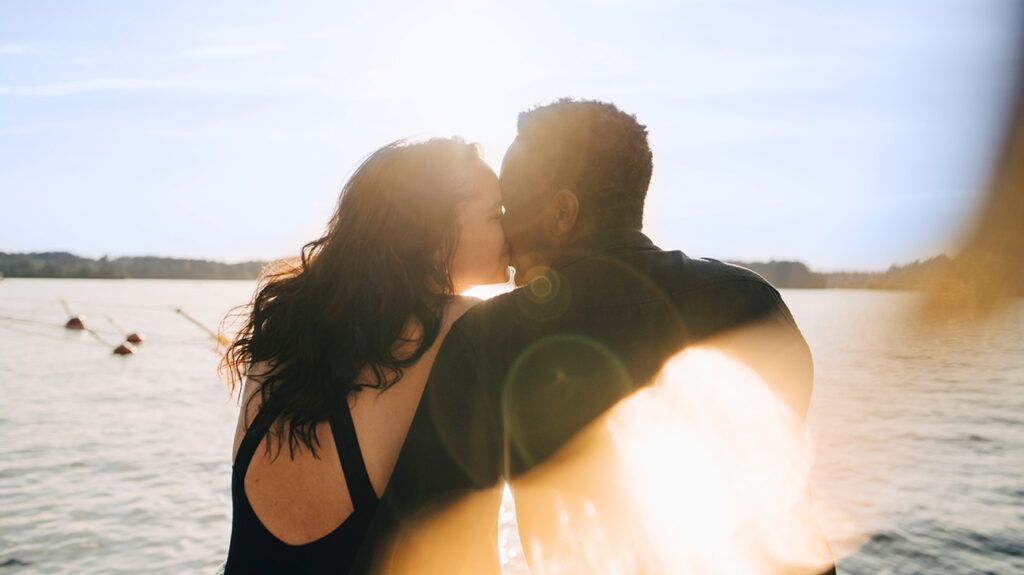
<point>530,369</point>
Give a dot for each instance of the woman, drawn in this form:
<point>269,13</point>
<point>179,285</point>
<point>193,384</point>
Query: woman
<point>335,353</point>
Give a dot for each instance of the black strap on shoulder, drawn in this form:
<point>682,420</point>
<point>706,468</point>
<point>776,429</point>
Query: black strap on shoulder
<point>251,440</point>
<point>360,488</point>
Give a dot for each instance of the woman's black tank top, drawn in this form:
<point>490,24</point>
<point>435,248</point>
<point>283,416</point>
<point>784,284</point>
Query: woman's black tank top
<point>254,549</point>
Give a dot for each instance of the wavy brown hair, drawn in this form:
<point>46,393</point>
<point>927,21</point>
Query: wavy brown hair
<point>346,306</point>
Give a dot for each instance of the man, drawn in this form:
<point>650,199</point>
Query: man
<point>520,378</point>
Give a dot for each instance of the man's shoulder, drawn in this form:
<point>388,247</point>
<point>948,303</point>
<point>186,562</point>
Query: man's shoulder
<point>675,273</point>
<point>715,280</point>
<point>727,295</point>
<point>483,315</point>
<point>699,283</point>
<point>709,272</point>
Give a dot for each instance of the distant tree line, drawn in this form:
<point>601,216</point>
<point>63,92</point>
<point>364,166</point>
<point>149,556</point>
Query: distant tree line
<point>912,276</point>
<point>917,275</point>
<point>66,265</point>
<point>786,274</point>
<point>782,274</point>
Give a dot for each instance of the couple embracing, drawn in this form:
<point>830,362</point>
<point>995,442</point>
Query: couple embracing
<point>382,413</point>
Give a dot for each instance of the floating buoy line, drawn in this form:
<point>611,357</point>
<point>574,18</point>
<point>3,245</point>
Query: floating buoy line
<point>74,322</point>
<point>77,323</point>
<point>132,337</point>
<point>219,338</point>
<point>129,339</point>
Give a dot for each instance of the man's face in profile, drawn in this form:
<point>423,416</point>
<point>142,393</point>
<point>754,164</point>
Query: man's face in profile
<point>524,198</point>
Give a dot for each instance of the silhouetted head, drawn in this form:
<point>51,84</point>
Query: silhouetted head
<point>576,167</point>
<point>415,224</point>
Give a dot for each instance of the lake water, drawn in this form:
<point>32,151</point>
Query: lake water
<point>122,464</point>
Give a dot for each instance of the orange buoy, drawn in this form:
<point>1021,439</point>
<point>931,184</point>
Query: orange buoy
<point>75,323</point>
<point>124,349</point>
<point>132,337</point>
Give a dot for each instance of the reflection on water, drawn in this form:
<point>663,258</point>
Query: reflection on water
<point>919,435</point>
<point>114,464</point>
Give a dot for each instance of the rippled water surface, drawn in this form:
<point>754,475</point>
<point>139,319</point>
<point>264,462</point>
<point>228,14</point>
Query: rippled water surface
<point>121,464</point>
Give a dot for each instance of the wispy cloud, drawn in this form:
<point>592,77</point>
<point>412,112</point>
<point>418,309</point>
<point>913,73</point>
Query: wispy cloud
<point>56,89</point>
<point>24,130</point>
<point>187,85</point>
<point>224,52</point>
<point>16,50</point>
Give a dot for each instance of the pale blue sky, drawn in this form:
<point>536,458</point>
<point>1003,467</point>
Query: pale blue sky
<point>846,134</point>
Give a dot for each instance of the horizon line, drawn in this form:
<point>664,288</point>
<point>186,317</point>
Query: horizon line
<point>739,261</point>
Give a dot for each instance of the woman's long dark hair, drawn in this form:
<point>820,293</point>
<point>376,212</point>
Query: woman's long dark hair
<point>347,305</point>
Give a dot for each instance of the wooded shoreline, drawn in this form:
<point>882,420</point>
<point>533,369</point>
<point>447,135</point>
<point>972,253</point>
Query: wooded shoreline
<point>782,274</point>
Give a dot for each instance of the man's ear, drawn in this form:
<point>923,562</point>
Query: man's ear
<point>566,207</point>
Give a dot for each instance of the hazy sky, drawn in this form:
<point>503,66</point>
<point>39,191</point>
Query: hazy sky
<point>844,134</point>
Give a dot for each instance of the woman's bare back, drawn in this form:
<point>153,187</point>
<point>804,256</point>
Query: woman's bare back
<point>302,498</point>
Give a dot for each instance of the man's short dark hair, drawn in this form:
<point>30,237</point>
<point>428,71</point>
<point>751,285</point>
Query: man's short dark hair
<point>594,149</point>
